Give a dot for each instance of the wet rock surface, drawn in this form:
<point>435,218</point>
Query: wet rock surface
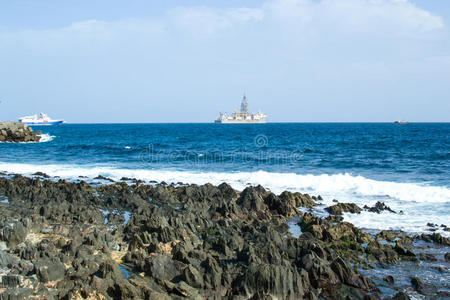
<point>340,208</point>
<point>17,132</point>
<point>379,207</point>
<point>66,240</point>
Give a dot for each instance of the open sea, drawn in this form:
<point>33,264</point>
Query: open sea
<point>405,166</point>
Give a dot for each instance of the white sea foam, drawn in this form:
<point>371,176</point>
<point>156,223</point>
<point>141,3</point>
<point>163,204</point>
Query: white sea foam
<point>45,137</point>
<point>413,219</point>
<point>294,228</point>
<point>126,216</point>
<point>420,203</point>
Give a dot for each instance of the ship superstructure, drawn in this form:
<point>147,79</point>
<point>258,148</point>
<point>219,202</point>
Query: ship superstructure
<point>243,116</point>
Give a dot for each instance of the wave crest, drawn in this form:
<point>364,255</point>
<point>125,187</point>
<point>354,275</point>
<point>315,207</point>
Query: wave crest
<point>45,137</point>
<point>344,187</point>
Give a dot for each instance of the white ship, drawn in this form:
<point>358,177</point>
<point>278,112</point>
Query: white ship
<point>242,117</point>
<point>41,119</point>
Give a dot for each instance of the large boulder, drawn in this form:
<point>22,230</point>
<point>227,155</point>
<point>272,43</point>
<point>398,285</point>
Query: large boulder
<point>298,199</point>
<point>17,132</point>
<point>251,199</point>
<point>13,233</point>
<point>109,270</point>
<point>50,269</point>
<point>340,208</point>
<point>273,281</point>
<point>379,207</point>
<point>193,277</point>
<point>6,259</point>
<point>163,267</point>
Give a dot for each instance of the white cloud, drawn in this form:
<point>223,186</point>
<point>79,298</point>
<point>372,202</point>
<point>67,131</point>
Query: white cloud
<point>207,21</point>
<point>326,17</point>
<point>369,16</point>
<point>399,17</point>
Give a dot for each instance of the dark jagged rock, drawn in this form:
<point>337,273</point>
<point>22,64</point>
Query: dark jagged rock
<point>379,207</point>
<point>423,288</point>
<point>401,296</point>
<point>340,208</point>
<point>17,132</point>
<point>193,277</point>
<point>417,284</point>
<point>297,199</point>
<point>162,267</point>
<point>264,280</point>
<point>100,177</point>
<point>50,269</point>
<point>435,237</point>
<point>10,281</point>
<point>427,257</point>
<point>16,294</point>
<point>41,174</point>
<point>13,233</point>
<point>71,240</point>
<point>109,270</point>
<point>6,259</point>
<point>252,199</point>
<point>402,250</point>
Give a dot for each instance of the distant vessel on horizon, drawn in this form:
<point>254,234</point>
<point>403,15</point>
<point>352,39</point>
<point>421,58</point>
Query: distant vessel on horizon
<point>242,117</point>
<point>401,122</point>
<point>41,119</point>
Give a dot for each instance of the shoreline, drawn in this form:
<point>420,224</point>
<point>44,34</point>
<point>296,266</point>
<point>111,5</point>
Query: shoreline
<point>413,199</point>
<point>197,241</point>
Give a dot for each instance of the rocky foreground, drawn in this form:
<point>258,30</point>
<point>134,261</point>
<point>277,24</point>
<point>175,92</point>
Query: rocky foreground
<point>17,132</point>
<point>65,240</point>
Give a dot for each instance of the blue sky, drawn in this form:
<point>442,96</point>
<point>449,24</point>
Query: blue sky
<point>183,61</point>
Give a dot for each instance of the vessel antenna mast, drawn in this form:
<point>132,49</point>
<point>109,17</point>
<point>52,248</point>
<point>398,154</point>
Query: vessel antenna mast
<point>244,104</point>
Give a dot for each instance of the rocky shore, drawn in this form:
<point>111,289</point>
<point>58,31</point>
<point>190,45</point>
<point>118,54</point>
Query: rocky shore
<point>129,240</point>
<point>17,132</point>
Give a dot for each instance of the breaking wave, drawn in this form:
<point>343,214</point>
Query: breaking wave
<point>45,137</point>
<point>341,186</point>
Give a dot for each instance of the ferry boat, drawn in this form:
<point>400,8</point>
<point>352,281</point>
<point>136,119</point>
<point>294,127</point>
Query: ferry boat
<point>242,117</point>
<point>401,122</point>
<point>41,119</point>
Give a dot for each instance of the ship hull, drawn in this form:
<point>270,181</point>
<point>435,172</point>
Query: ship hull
<point>240,121</point>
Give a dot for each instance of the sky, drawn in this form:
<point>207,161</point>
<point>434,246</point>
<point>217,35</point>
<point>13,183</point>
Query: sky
<point>108,61</point>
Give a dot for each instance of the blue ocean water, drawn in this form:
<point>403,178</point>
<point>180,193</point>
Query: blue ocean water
<point>406,166</point>
<point>413,152</point>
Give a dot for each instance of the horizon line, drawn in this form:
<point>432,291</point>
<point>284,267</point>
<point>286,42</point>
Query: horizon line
<point>281,122</point>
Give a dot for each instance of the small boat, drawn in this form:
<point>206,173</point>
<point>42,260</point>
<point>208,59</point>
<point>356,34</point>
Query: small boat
<point>401,122</point>
<point>41,119</point>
